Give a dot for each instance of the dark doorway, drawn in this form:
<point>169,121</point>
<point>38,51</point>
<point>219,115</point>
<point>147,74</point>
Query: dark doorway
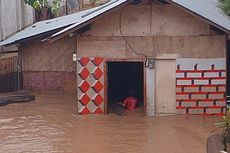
<point>125,79</point>
<point>10,78</point>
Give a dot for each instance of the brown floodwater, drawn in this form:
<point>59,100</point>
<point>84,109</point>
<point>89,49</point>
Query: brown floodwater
<point>51,124</point>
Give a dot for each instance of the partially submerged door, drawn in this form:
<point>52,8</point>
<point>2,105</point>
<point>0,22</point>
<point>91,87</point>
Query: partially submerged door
<point>90,82</point>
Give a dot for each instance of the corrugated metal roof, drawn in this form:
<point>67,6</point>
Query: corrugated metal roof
<point>207,9</point>
<point>62,22</point>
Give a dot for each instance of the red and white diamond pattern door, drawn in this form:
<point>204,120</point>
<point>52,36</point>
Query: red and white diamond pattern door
<point>90,80</point>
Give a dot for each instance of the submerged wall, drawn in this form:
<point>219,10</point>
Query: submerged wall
<point>200,86</point>
<point>49,66</point>
<point>163,32</point>
<point>153,30</point>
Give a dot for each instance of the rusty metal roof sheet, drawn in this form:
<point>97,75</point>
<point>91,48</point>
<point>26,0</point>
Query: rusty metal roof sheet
<point>62,22</point>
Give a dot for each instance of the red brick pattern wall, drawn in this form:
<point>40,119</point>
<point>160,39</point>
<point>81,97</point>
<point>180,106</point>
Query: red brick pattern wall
<point>46,81</point>
<point>90,80</point>
<point>200,87</point>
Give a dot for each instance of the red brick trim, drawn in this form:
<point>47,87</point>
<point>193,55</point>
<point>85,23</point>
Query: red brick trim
<point>200,91</point>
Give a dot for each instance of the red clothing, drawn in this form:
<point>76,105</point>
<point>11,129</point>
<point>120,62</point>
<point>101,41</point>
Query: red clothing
<point>130,103</point>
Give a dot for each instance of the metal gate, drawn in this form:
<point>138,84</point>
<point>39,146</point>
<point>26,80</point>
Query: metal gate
<point>9,77</point>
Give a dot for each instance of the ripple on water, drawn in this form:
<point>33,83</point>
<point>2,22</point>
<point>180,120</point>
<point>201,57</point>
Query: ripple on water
<point>5,120</point>
<point>51,125</point>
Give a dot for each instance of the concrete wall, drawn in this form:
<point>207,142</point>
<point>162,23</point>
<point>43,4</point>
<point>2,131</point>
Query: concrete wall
<point>151,30</point>
<point>185,46</point>
<point>200,86</point>
<point>154,31</point>
<point>49,66</point>
<point>47,56</point>
<point>150,20</point>
<point>104,39</point>
<point>165,69</point>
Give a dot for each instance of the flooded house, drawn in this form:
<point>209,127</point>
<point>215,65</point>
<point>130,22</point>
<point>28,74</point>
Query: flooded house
<point>171,54</point>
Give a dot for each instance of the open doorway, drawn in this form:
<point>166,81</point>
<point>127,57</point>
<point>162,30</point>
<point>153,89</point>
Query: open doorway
<point>125,79</point>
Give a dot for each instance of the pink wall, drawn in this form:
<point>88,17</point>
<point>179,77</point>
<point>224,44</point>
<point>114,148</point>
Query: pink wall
<point>46,81</point>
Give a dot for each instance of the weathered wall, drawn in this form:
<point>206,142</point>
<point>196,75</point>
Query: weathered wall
<point>165,86</point>
<point>185,46</point>
<point>49,66</point>
<point>151,30</point>
<point>105,41</point>
<point>150,20</point>
<point>45,56</point>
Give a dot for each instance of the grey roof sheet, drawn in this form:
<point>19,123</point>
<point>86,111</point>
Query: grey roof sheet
<point>61,22</point>
<point>207,9</point>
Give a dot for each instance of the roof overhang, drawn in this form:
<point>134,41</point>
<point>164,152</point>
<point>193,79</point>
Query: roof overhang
<point>54,29</point>
<point>206,10</point>
<point>76,26</point>
<point>187,6</point>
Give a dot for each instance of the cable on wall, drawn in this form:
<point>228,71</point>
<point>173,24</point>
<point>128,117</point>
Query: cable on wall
<point>127,42</point>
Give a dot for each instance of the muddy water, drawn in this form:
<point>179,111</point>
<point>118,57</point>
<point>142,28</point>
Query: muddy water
<point>51,124</point>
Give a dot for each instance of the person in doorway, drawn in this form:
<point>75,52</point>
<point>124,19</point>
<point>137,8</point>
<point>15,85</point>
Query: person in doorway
<point>130,103</point>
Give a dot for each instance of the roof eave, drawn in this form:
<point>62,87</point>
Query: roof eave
<point>108,7</point>
<point>199,16</point>
<point>40,36</point>
<point>71,30</point>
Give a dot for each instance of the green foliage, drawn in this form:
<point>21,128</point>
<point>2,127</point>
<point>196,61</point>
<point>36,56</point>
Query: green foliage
<point>37,4</point>
<point>226,128</point>
<point>54,5</point>
<point>225,6</point>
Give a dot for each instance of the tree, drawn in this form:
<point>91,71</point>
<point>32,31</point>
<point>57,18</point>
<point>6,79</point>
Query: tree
<point>44,9</point>
<point>225,6</point>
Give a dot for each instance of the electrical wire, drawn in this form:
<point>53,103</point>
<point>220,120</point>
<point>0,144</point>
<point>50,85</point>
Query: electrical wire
<point>127,42</point>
